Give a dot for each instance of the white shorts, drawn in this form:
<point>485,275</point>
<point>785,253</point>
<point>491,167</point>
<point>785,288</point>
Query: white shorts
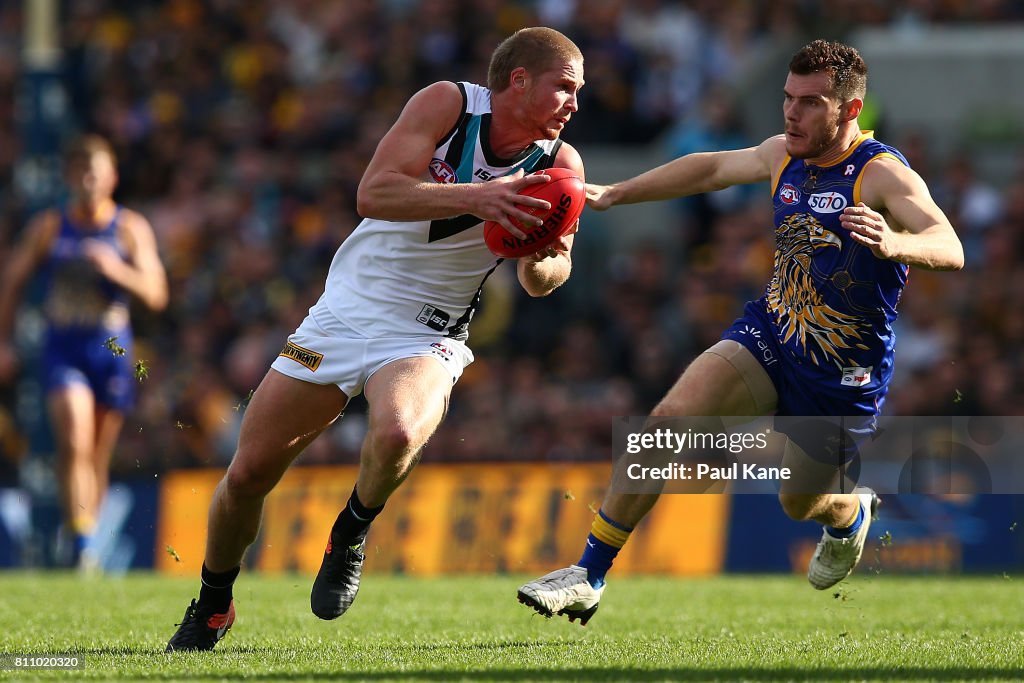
<point>326,351</point>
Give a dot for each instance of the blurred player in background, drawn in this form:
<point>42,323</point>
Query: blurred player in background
<point>395,313</point>
<point>850,218</point>
<point>93,255</point>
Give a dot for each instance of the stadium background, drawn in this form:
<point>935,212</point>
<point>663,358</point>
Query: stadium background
<point>242,130</point>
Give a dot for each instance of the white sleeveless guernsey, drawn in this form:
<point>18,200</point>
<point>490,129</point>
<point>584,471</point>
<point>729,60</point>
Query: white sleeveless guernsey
<point>408,278</point>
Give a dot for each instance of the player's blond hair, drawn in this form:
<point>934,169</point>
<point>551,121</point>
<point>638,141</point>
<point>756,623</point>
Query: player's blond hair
<point>84,146</point>
<point>535,49</point>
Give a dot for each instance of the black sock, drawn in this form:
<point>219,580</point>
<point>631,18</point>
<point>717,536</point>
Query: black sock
<point>352,524</point>
<point>216,589</point>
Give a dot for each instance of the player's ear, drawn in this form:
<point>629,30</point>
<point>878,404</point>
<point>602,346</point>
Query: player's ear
<point>519,78</point>
<point>852,109</point>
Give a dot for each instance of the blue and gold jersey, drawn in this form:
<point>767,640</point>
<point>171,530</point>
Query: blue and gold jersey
<point>831,303</point>
<point>84,309</point>
<point>77,297</point>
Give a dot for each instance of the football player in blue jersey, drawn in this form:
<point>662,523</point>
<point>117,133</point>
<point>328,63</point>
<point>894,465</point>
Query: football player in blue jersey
<point>93,256</point>
<point>850,217</point>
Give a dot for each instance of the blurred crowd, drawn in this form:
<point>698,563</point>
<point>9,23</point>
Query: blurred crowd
<point>243,127</point>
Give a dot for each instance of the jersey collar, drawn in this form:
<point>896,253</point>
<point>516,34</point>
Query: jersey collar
<point>864,135</point>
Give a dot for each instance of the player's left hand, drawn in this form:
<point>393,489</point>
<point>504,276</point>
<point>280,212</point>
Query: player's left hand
<point>869,228</point>
<point>598,196</point>
<point>103,257</point>
<point>560,246</point>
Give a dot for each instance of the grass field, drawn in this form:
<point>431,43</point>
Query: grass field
<point>735,628</point>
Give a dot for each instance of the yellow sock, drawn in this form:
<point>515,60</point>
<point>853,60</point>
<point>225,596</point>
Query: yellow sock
<point>83,525</point>
<point>606,533</point>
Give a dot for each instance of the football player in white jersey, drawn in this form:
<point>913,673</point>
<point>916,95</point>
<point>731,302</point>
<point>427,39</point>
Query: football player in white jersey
<point>395,312</point>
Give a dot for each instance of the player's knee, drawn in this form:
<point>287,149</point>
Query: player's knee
<point>394,440</point>
<point>797,506</point>
<point>246,480</point>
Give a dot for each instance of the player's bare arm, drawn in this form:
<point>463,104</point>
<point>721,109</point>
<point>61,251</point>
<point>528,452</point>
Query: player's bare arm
<point>898,220</point>
<point>693,174</point>
<point>393,189</point>
<point>142,275</point>
<point>543,272</point>
<point>23,262</point>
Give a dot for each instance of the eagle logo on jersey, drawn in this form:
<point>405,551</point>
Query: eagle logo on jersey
<point>793,297</point>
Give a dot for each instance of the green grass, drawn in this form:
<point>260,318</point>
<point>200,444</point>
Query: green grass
<point>471,628</point>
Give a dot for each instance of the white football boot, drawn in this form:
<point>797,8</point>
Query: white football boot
<point>835,558</point>
<point>564,592</point>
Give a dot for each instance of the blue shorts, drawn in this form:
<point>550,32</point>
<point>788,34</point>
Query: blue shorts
<point>81,357</point>
<point>806,390</point>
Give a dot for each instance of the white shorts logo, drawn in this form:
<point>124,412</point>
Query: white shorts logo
<point>827,202</point>
<point>441,351</point>
<point>856,377</point>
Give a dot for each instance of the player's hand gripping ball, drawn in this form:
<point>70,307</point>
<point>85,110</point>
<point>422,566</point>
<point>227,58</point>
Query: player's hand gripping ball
<point>566,194</point>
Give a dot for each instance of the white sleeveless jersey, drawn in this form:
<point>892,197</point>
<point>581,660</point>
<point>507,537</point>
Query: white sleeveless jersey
<point>394,279</point>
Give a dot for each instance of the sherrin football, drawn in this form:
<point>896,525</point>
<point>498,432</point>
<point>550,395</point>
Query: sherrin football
<point>565,193</point>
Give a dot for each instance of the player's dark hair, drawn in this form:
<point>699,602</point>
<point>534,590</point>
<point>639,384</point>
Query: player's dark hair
<point>535,49</point>
<point>84,146</point>
<point>844,65</point>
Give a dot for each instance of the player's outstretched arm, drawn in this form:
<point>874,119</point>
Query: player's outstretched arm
<point>27,256</point>
<point>142,274</point>
<point>693,174</point>
<point>394,188</point>
<point>898,219</point>
<point>545,271</point>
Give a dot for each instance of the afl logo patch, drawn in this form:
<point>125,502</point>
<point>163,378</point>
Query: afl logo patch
<point>442,172</point>
<point>788,194</point>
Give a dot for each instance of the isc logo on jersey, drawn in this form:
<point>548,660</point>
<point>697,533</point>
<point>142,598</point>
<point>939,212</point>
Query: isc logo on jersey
<point>826,202</point>
<point>789,194</point>
<point>442,172</point>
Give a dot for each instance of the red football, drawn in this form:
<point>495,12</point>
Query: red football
<point>566,194</point>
